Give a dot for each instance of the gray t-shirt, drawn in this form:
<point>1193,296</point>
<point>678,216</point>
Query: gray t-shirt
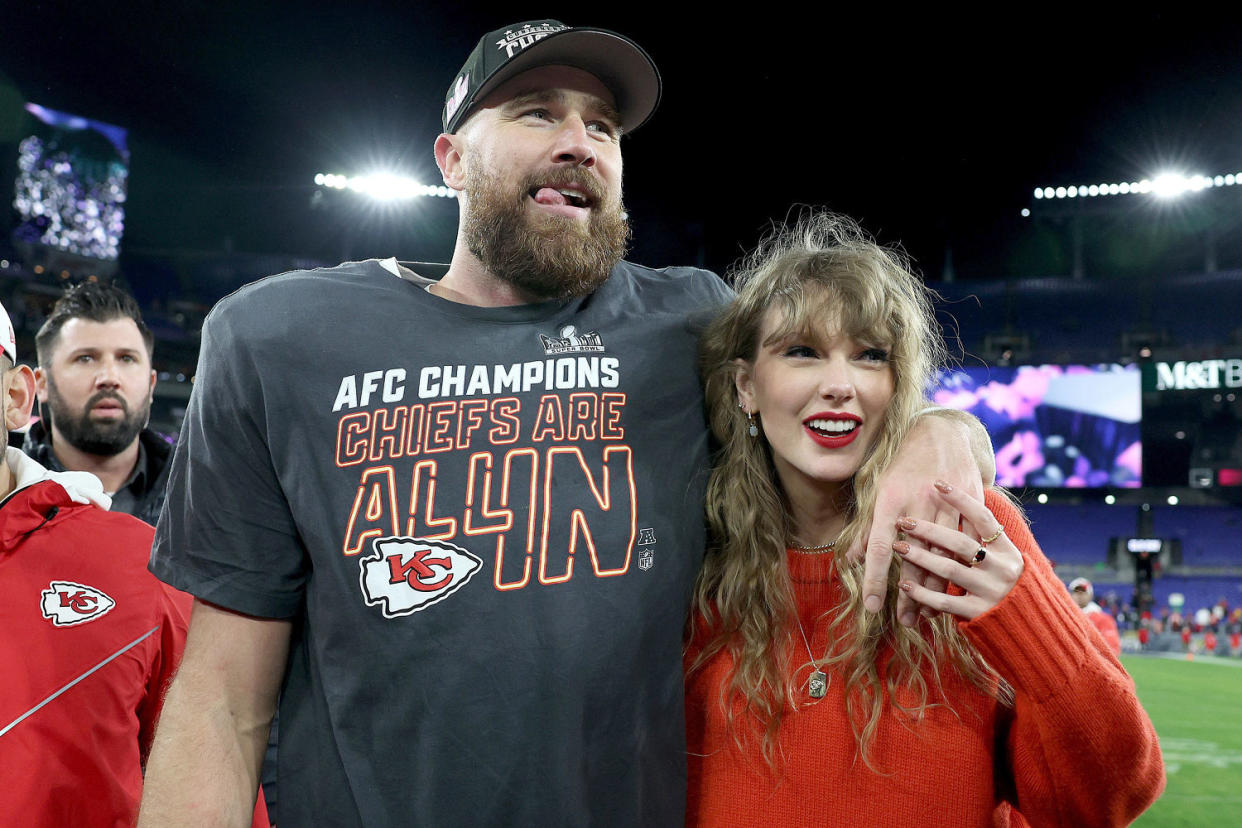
<point>485,523</point>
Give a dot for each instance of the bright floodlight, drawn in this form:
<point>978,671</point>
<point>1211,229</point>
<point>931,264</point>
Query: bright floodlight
<point>383,186</point>
<point>1165,186</point>
<point>1169,185</point>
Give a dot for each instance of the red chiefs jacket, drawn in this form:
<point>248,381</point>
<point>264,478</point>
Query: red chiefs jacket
<point>88,641</point>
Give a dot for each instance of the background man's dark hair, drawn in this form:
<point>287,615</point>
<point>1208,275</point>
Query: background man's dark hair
<point>96,302</point>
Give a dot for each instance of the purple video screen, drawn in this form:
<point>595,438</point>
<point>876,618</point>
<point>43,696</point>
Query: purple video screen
<point>1054,426</point>
<point>71,185</point>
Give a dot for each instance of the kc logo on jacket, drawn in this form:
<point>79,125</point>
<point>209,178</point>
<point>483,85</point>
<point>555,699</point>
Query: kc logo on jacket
<point>405,575</point>
<point>66,603</point>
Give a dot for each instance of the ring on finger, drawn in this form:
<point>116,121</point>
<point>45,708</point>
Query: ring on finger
<point>980,554</point>
<point>1000,530</point>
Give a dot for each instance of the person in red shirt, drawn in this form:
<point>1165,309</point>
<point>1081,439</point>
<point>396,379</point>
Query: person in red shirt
<point>1104,623</point>
<point>91,638</point>
<point>1001,708</point>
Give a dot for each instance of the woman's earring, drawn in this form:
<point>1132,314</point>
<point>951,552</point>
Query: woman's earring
<point>754,429</point>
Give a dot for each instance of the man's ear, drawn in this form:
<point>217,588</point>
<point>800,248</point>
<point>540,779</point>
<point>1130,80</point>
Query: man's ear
<point>745,385</point>
<point>40,377</point>
<point>450,158</point>
<point>19,395</point>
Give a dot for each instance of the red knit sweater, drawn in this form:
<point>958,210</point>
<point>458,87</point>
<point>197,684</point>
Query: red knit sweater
<point>1076,748</point>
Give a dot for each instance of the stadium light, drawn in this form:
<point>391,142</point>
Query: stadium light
<point>1168,185</point>
<point>383,186</point>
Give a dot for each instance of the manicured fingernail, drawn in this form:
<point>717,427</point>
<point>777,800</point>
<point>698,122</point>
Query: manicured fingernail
<point>908,619</point>
<point>944,487</point>
<point>873,603</point>
<point>907,522</point>
<point>902,548</point>
<point>906,586</point>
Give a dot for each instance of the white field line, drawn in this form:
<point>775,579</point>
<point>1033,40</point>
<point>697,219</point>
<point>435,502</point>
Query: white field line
<point>1179,752</point>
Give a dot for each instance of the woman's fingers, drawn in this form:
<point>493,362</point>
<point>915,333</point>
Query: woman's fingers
<point>963,606</point>
<point>987,571</point>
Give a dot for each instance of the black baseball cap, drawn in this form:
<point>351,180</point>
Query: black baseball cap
<point>620,64</point>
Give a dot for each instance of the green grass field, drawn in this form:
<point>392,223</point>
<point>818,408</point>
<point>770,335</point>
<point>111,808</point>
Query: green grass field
<point>1197,709</point>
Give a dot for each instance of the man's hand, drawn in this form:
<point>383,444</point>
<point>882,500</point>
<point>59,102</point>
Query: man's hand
<point>944,444</point>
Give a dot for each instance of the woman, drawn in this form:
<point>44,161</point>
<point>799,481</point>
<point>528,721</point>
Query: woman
<point>1002,707</point>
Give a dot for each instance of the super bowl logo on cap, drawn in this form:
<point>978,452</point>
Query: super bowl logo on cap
<point>515,41</point>
<point>458,95</point>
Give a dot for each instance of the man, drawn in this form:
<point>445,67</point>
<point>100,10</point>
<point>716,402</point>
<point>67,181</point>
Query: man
<point>453,514</point>
<point>89,637</point>
<point>95,383</point>
<point>1084,596</point>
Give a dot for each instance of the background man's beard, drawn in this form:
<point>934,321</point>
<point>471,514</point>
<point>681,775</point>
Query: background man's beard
<point>105,439</point>
<point>547,257</point>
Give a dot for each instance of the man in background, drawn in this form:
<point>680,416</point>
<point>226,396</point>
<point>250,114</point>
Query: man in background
<point>90,638</point>
<point>1084,596</point>
<point>95,384</point>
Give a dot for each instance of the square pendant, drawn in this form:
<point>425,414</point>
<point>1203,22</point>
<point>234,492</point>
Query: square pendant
<point>818,684</point>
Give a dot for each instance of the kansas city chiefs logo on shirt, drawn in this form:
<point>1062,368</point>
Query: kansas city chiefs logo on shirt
<point>66,603</point>
<point>405,575</point>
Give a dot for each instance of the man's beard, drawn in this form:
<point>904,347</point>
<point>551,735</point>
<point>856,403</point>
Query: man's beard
<point>546,256</point>
<point>105,439</point>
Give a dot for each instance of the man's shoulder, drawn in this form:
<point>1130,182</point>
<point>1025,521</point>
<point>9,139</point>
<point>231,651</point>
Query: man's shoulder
<point>696,284</point>
<point>159,446</point>
<point>683,276</point>
<point>122,528</point>
<point>308,301</point>
<point>87,546</point>
<point>51,514</point>
<point>304,284</point>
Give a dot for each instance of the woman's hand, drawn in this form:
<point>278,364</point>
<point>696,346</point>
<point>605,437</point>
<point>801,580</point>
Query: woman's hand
<point>943,444</point>
<point>986,569</point>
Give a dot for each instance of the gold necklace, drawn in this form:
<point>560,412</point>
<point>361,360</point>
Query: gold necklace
<point>823,547</point>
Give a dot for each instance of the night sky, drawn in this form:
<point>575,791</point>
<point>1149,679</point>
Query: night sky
<point>931,129</point>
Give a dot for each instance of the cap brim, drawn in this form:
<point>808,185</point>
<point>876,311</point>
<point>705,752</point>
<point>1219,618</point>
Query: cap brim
<point>621,65</point>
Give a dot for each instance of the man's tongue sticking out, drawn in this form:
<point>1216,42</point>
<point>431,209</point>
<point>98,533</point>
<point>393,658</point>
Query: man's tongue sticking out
<point>547,195</point>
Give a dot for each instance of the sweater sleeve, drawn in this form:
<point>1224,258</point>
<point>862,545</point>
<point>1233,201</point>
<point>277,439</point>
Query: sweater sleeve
<point>1081,750</point>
